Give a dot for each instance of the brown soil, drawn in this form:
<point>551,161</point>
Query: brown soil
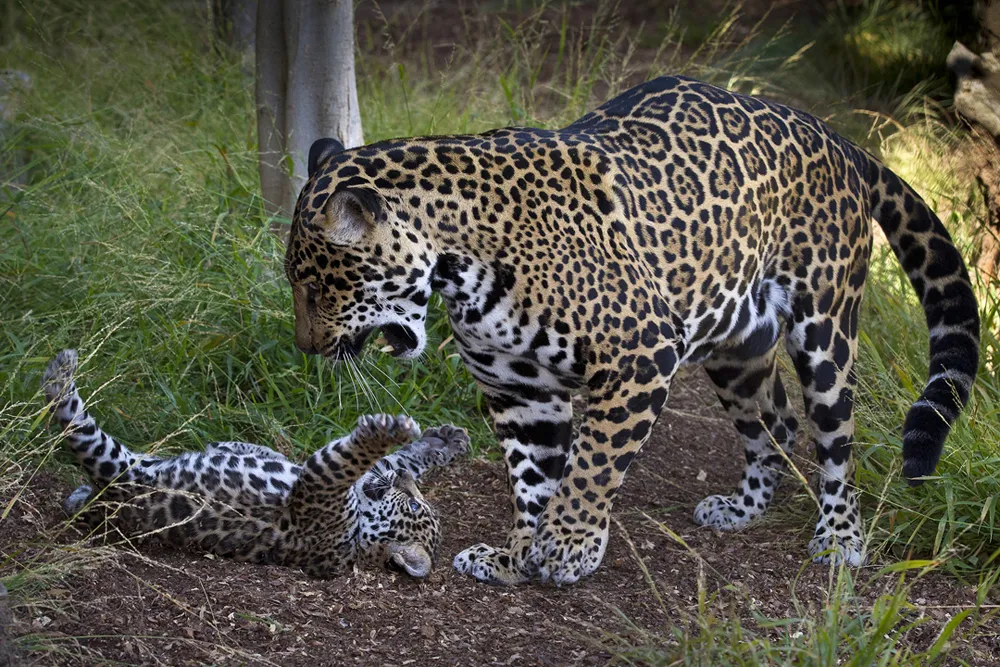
<point>153,606</point>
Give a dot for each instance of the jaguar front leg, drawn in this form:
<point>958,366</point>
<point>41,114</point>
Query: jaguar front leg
<point>334,468</point>
<point>622,407</point>
<point>534,430</point>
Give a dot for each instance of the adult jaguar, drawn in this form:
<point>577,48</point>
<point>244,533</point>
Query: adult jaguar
<point>678,222</point>
<point>348,503</point>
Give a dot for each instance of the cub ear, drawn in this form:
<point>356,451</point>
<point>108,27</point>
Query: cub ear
<point>375,488</point>
<point>374,493</point>
<point>320,151</point>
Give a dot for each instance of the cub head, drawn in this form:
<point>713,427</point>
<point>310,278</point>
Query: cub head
<point>398,529</point>
<point>355,263</point>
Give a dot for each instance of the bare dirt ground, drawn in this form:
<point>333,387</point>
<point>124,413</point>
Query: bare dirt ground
<point>154,606</point>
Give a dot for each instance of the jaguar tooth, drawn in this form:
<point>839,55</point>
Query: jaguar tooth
<point>384,346</point>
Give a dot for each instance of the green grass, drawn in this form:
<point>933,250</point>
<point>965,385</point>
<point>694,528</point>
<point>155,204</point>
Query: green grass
<point>144,245</point>
<point>141,241</point>
<point>854,628</point>
<point>887,50</point>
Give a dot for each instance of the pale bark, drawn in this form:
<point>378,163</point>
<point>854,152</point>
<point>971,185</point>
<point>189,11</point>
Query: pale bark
<point>977,99</point>
<point>977,90</point>
<point>306,90</point>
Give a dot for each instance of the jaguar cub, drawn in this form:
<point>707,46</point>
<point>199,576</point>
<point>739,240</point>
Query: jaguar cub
<point>348,503</point>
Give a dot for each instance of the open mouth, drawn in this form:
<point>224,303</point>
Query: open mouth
<point>400,339</point>
<point>351,347</point>
<point>409,559</point>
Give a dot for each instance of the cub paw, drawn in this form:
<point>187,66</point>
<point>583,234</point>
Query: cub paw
<point>491,566</point>
<point>446,443</point>
<point>77,499</point>
<point>721,513</point>
<point>394,430</point>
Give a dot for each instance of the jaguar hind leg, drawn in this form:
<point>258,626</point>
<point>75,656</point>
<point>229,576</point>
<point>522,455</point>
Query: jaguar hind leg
<point>824,349</point>
<point>753,396</point>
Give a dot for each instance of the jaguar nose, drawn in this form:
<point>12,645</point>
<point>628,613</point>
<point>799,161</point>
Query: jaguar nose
<point>307,348</point>
<point>412,559</point>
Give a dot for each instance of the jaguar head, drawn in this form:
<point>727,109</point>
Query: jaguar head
<point>398,529</point>
<point>353,260</point>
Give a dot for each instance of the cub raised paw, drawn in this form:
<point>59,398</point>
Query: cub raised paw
<point>393,430</point>
<point>57,381</point>
<point>445,443</point>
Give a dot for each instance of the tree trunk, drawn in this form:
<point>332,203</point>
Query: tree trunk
<point>977,99</point>
<point>306,90</point>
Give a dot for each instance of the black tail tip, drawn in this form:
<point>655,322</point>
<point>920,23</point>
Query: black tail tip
<point>917,467</point>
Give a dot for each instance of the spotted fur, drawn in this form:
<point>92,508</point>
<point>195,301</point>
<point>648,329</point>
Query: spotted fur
<point>349,503</point>
<point>677,223</point>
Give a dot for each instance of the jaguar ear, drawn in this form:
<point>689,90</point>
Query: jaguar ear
<point>364,201</point>
<point>374,488</point>
<point>352,212</point>
<point>320,152</point>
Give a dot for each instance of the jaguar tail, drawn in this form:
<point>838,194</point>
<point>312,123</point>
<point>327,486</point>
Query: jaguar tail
<point>939,277</point>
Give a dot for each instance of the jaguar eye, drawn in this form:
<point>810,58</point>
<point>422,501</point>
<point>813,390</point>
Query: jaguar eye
<point>414,505</point>
<point>312,291</point>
